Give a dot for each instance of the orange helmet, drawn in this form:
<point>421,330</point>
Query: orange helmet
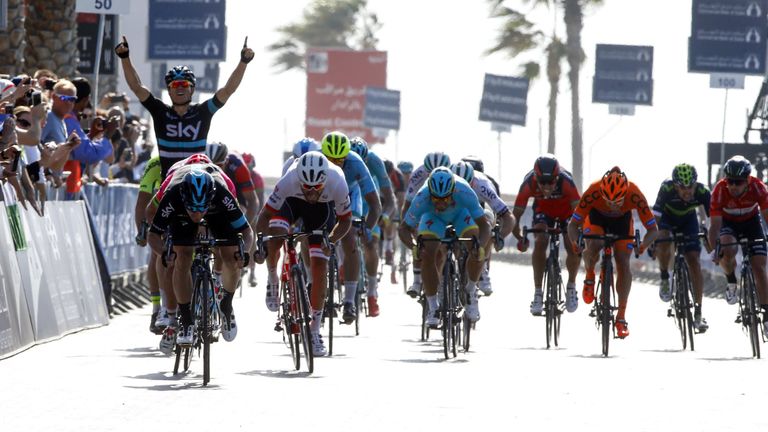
<point>614,185</point>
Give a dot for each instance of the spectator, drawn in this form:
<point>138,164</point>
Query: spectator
<point>55,129</point>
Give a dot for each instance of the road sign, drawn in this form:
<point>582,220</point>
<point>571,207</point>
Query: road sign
<point>504,99</point>
<point>623,75</point>
<point>336,83</point>
<point>621,109</point>
<point>87,36</point>
<point>103,7</point>
<point>187,30</point>
<point>726,81</point>
<point>382,108</point>
<point>728,36</point>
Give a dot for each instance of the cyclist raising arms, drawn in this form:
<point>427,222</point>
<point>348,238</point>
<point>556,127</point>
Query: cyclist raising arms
<point>315,191</point>
<point>734,211</point>
<point>677,204</point>
<point>447,199</point>
<point>554,197</point>
<point>606,208</point>
<point>181,129</point>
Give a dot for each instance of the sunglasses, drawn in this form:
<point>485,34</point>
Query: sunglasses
<point>736,182</point>
<point>337,161</point>
<point>179,83</point>
<point>317,187</point>
<point>23,123</point>
<point>444,199</point>
<point>65,98</point>
<point>198,209</point>
<point>615,203</point>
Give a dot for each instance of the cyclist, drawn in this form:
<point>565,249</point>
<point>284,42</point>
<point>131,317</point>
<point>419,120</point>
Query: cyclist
<point>415,182</point>
<point>554,196</point>
<point>181,129</point>
<point>677,204</point>
<point>302,146</point>
<point>446,199</point>
<point>315,191</point>
<point>497,211</point>
<point>235,168</point>
<point>181,209</point>
<point>406,168</point>
<point>258,184</point>
<point>606,208</point>
<point>738,202</point>
<point>485,279</point>
<point>390,229</point>
<point>383,185</point>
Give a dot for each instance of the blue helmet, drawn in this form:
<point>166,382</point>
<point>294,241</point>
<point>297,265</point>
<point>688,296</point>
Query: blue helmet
<point>305,145</point>
<point>464,170</point>
<point>180,72</point>
<point>405,167</point>
<point>359,146</point>
<point>441,182</point>
<point>436,159</point>
<point>197,189</point>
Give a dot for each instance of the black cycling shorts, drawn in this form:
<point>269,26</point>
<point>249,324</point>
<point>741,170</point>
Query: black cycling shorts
<point>311,217</point>
<point>751,229</point>
<point>183,231</point>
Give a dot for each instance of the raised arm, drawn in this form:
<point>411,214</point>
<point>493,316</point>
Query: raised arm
<point>246,55</point>
<point>131,76</point>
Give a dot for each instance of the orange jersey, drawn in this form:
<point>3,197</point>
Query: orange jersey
<point>591,200</point>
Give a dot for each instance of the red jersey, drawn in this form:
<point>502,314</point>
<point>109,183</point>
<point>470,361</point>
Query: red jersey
<point>559,205</point>
<point>739,209</point>
<point>257,180</point>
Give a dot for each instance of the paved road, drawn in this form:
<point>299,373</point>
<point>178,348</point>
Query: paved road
<point>114,378</point>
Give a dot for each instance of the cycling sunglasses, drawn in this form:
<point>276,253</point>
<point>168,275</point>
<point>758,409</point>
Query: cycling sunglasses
<point>317,187</point>
<point>23,123</point>
<point>445,199</point>
<point>65,98</point>
<point>180,83</point>
<point>736,182</point>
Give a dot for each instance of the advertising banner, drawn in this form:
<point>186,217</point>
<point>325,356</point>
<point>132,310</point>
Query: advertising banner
<point>15,322</point>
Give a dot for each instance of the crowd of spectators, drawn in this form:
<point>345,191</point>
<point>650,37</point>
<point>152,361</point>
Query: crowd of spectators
<point>51,136</point>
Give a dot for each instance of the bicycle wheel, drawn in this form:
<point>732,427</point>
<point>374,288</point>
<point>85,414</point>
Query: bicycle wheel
<point>677,285</point>
<point>447,310</point>
<point>330,304</point>
<point>549,311</point>
<point>305,318</point>
<point>424,327</point>
<point>557,303</point>
<point>290,326</point>
<point>750,313</point>
<point>687,302</point>
<point>178,351</point>
<point>203,329</point>
<point>467,330</point>
<point>606,316</point>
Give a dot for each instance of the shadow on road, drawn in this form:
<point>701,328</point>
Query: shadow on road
<point>727,358</point>
<point>271,373</point>
<point>180,381</point>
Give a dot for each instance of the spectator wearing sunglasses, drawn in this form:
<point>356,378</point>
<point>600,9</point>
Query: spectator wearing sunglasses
<point>63,98</point>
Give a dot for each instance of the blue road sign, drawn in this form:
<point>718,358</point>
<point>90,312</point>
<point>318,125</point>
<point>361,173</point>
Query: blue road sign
<point>187,30</point>
<point>382,108</point>
<point>728,36</point>
<point>623,75</point>
<point>504,100</point>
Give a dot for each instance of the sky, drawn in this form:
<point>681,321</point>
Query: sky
<point>435,58</point>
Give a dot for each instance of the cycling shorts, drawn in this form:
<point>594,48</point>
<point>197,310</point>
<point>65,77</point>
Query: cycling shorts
<point>312,217</point>
<point>751,228</point>
<point>184,231</point>
<point>599,224</point>
<point>433,225</point>
<point>687,225</point>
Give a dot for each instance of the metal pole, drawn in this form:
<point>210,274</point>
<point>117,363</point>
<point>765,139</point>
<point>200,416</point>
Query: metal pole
<point>397,146</point>
<point>498,142</point>
<point>97,66</point>
<point>722,136</point>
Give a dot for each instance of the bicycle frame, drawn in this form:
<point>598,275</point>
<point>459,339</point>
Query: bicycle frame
<point>553,281</point>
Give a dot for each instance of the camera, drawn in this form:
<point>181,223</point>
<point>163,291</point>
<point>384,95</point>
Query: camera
<point>49,84</point>
<point>34,98</point>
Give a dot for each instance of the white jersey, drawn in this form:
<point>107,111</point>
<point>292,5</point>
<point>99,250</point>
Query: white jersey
<point>485,191</point>
<point>418,178</point>
<point>288,163</point>
<point>335,189</point>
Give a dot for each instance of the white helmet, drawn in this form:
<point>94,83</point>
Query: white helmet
<point>216,152</point>
<point>313,168</point>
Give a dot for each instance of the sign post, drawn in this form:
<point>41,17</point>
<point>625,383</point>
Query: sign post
<point>187,30</point>
<point>382,112</point>
<point>623,77</point>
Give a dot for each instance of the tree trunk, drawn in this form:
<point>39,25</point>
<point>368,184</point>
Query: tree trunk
<point>12,40</point>
<point>52,37</point>
<point>573,24</point>
<point>554,72</point>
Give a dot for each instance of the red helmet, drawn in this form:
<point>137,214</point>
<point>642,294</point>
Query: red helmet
<point>614,185</point>
<point>198,158</point>
<point>249,160</point>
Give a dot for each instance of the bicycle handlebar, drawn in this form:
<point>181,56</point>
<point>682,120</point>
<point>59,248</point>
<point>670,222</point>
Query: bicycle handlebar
<point>609,239</point>
<point>261,239</point>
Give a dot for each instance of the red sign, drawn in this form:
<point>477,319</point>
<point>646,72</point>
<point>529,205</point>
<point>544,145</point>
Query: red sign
<point>336,81</point>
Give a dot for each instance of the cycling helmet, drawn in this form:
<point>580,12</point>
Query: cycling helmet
<point>463,170</point>
<point>217,152</point>
<point>436,159</point>
<point>614,185</point>
<point>335,145</point>
<point>249,160</point>
<point>546,168</point>
<point>737,167</point>
<point>684,175</point>
<point>198,158</point>
<point>197,189</point>
<point>180,72</point>
<point>359,146</point>
<point>476,163</point>
<point>405,167</point>
<point>305,145</point>
<point>441,182</point>
<point>312,168</point>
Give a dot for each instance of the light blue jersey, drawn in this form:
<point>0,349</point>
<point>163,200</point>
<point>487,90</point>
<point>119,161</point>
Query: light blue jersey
<point>461,213</point>
<point>357,173</point>
<point>378,171</point>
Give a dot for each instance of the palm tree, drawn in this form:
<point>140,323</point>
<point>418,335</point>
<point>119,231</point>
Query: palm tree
<point>13,39</point>
<point>52,36</point>
<point>326,23</point>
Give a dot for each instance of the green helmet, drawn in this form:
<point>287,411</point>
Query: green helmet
<point>335,145</point>
<point>684,175</point>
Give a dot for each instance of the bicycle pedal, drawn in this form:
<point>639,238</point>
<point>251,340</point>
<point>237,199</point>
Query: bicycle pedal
<point>669,313</point>
<point>593,313</point>
<point>278,327</point>
<point>738,319</point>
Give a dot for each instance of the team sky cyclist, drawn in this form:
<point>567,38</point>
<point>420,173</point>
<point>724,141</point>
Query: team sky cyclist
<point>738,202</point>
<point>486,193</point>
<point>554,196</point>
<point>384,187</point>
<point>446,200</point>
<point>186,202</point>
<point>181,129</point>
<point>315,191</point>
<point>606,208</point>
<point>418,178</point>
<point>681,203</point>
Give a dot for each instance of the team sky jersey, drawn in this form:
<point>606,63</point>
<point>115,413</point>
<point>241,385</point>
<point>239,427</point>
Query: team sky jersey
<point>487,193</point>
<point>559,205</point>
<point>356,173</point>
<point>463,198</point>
<point>669,202</point>
<point>180,136</point>
<point>151,179</point>
<point>418,178</point>
<point>593,200</point>
<point>739,209</point>
<point>378,171</point>
<point>237,171</point>
<point>182,167</point>
<point>172,207</point>
<point>335,190</point>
